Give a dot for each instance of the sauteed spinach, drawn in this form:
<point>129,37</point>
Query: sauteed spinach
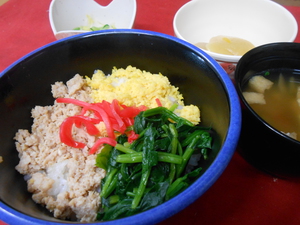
<point>155,167</point>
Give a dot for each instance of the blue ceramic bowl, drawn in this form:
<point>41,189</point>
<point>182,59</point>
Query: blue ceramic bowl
<point>200,79</point>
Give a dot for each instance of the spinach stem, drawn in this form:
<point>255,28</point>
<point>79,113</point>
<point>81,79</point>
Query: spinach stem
<point>124,149</point>
<point>141,189</point>
<point>113,199</point>
<point>175,187</point>
<point>138,157</point>
<point>173,107</point>
<point>187,155</point>
<point>130,158</point>
<point>191,137</point>
<point>173,148</point>
<point>109,183</point>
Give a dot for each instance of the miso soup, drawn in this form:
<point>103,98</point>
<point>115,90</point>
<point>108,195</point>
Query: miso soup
<point>276,98</point>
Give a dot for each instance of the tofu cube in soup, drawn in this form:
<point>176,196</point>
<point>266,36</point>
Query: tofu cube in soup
<point>260,84</point>
<point>254,98</point>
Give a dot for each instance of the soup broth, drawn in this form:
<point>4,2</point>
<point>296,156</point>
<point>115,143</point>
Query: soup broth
<point>281,105</point>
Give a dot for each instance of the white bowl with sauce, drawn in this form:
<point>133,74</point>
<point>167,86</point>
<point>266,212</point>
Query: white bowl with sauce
<point>257,21</point>
<point>69,17</point>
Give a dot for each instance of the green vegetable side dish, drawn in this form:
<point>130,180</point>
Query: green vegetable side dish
<point>94,28</point>
<point>154,168</point>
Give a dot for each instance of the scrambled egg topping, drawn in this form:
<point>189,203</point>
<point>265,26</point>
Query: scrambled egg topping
<point>134,87</point>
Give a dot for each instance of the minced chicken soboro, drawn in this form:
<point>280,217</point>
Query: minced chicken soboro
<point>65,179</point>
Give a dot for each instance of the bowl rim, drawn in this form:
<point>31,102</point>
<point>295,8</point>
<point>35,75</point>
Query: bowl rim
<point>200,186</point>
<point>233,58</point>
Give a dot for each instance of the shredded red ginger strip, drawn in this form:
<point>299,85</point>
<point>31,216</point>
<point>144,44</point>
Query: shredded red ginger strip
<point>158,102</point>
<point>115,116</point>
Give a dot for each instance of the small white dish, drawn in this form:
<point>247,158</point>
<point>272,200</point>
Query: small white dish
<point>66,15</point>
<point>257,21</point>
